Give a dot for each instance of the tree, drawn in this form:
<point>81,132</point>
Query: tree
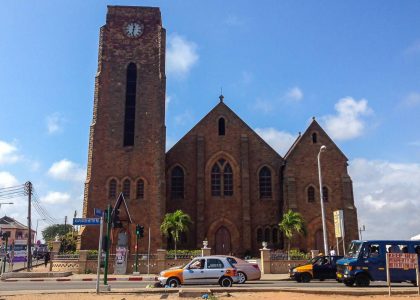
<point>68,243</point>
<point>175,223</point>
<point>52,231</point>
<point>292,223</point>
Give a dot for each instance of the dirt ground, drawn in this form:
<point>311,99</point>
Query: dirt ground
<point>232,296</point>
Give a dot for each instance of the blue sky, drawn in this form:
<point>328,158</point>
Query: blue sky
<point>353,65</point>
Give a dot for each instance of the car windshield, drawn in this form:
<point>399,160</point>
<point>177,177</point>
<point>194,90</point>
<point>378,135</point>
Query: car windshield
<point>313,260</point>
<point>354,249</point>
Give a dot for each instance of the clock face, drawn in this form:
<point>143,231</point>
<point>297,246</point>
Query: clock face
<point>134,29</point>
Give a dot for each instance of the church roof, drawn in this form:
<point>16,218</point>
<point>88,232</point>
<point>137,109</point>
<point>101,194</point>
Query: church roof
<point>223,106</point>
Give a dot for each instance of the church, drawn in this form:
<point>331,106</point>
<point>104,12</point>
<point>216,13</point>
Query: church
<point>232,184</point>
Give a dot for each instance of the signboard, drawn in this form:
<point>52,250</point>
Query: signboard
<point>404,261</point>
<point>97,212</point>
<point>86,221</point>
<point>338,223</point>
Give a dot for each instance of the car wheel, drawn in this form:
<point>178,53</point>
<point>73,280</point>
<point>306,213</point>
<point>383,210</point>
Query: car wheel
<point>362,280</point>
<point>306,277</point>
<point>242,277</point>
<point>349,282</point>
<point>226,282</point>
<point>298,279</point>
<point>173,282</point>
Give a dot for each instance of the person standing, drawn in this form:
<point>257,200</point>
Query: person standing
<point>332,251</point>
<point>46,258</point>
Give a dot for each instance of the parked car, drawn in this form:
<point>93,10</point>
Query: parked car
<point>246,271</point>
<point>320,267</point>
<point>201,270</point>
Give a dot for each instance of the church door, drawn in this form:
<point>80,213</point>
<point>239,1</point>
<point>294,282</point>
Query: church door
<point>223,241</point>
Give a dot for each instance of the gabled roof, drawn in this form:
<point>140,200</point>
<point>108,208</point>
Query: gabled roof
<point>313,126</point>
<point>221,105</point>
<point>121,200</point>
<point>10,223</point>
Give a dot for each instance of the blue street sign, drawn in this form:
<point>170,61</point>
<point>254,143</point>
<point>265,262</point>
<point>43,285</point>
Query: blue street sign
<point>97,212</point>
<point>86,221</point>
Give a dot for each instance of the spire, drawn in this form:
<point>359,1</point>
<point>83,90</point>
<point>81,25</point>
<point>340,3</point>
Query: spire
<point>221,97</point>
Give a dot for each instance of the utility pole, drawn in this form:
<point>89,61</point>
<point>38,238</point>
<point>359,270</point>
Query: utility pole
<point>28,186</point>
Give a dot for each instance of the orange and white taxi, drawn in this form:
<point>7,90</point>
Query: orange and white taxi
<point>201,270</point>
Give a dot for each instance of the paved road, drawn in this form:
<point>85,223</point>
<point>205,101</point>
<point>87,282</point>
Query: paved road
<point>73,285</point>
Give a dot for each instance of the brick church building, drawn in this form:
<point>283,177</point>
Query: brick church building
<point>234,186</point>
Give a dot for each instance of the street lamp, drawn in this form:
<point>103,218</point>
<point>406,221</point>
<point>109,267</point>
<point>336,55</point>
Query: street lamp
<point>324,227</point>
<point>36,231</point>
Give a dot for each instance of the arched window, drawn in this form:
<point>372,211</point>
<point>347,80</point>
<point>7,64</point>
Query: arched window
<point>314,138</point>
<point>140,189</point>
<point>325,193</point>
<point>221,171</point>
<point>259,235</point>
<point>112,189</point>
<point>177,183</point>
<point>275,235</point>
<point>265,183</point>
<point>311,194</point>
<point>221,126</point>
<point>216,180</point>
<point>267,235</point>
<point>130,105</point>
<point>126,188</point>
<point>227,180</point>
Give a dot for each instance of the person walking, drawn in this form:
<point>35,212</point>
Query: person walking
<point>46,258</point>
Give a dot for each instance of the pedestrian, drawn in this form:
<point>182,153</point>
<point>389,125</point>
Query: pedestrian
<point>46,258</point>
<point>332,251</point>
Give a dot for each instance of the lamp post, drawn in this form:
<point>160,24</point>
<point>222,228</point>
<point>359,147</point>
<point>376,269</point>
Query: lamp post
<point>324,227</point>
<point>36,230</point>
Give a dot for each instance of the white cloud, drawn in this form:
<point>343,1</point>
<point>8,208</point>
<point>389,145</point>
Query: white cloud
<point>7,180</point>
<point>281,141</point>
<point>295,94</point>
<point>67,170</point>
<point>181,55</point>
<point>387,192</point>
<point>413,49</point>
<point>8,153</point>
<point>55,198</point>
<point>348,122</point>
<point>55,123</point>
<point>184,118</point>
<point>263,105</point>
<point>412,99</point>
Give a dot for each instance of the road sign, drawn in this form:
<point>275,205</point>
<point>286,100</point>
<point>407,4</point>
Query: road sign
<point>86,221</point>
<point>97,212</point>
<point>404,261</point>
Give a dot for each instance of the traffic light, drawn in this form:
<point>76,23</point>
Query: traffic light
<point>139,230</point>
<point>116,218</point>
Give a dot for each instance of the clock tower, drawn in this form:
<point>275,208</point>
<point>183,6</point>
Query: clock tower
<point>127,134</point>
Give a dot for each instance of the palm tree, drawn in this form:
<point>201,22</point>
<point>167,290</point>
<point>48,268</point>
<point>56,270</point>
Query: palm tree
<point>175,223</point>
<point>292,223</point>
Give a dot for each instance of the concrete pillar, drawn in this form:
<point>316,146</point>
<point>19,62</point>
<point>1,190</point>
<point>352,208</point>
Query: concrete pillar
<point>82,261</point>
<point>205,251</point>
<point>265,261</point>
<point>161,259</point>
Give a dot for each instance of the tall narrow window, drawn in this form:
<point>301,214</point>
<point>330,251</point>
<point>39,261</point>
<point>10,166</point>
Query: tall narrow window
<point>177,183</point>
<point>221,126</point>
<point>140,189</point>
<point>259,235</point>
<point>265,183</point>
<point>227,181</point>
<point>130,105</point>
<point>275,235</point>
<point>267,235</point>
<point>221,179</point>
<point>311,194</point>
<point>112,189</point>
<point>325,193</point>
<point>126,188</point>
<point>216,181</point>
<point>314,138</point>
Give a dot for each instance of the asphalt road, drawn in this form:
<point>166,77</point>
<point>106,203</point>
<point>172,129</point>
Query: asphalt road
<point>80,285</point>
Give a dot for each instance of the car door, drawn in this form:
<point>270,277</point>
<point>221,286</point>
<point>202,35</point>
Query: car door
<point>194,272</point>
<point>323,268</point>
<point>215,269</point>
